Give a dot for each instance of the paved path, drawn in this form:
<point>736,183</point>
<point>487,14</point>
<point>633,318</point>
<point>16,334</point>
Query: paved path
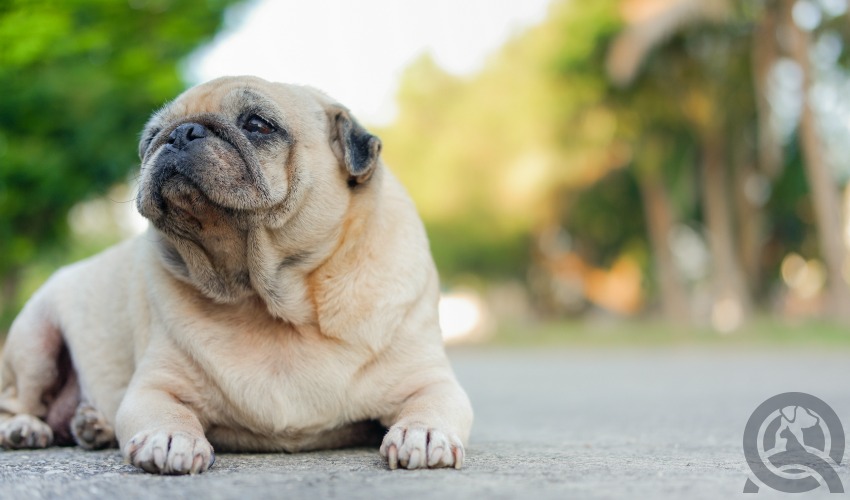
<point>549,424</point>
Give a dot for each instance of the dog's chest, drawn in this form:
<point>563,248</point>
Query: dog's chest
<point>279,381</point>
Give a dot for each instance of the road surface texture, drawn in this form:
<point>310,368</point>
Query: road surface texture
<point>555,423</point>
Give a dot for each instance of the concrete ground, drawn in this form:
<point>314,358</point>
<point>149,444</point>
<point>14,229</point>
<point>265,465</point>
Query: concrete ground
<point>556,423</point>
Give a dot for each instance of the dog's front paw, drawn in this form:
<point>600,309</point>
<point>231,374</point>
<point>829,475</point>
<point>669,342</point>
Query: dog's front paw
<point>25,431</point>
<point>163,452</point>
<point>420,447</point>
<point>90,428</point>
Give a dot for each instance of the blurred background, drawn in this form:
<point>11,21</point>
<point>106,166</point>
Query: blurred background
<point>616,171</point>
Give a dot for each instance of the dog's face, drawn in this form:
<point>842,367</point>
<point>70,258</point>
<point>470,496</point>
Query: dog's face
<point>239,156</point>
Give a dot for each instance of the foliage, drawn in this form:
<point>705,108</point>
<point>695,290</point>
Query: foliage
<point>548,135</point>
<point>78,80</point>
<point>484,157</point>
<point>607,217</point>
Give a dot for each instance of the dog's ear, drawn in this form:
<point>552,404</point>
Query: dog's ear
<point>358,150</point>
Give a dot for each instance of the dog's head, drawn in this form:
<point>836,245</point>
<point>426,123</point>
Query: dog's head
<point>239,172</point>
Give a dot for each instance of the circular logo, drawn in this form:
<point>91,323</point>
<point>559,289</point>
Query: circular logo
<point>793,442</point>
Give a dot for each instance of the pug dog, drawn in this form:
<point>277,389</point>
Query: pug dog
<point>284,299</point>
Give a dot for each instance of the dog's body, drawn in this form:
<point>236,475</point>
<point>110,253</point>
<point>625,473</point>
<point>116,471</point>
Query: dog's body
<point>284,298</point>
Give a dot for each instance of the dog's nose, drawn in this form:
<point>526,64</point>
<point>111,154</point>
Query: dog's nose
<point>186,133</point>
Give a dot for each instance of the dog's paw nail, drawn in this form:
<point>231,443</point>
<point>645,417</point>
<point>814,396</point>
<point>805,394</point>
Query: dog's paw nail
<point>414,460</point>
<point>392,457</point>
<point>159,457</point>
<point>458,456</point>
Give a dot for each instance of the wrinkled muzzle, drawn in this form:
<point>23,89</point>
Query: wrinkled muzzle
<point>198,166</point>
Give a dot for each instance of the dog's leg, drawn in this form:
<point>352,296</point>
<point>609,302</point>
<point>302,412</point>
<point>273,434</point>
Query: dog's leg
<point>90,428</point>
<point>430,429</point>
<point>31,378</point>
<point>160,434</point>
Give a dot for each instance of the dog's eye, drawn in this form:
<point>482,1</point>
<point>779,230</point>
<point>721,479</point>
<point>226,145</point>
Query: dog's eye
<point>257,125</point>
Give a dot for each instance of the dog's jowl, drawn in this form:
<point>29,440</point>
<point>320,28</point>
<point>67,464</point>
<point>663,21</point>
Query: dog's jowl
<point>284,299</point>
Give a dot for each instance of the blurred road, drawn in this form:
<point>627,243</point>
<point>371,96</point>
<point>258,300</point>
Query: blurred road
<point>559,423</point>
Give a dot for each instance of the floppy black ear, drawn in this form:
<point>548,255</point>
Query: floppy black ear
<point>358,149</point>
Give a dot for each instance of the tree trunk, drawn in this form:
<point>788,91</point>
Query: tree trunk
<point>659,214</point>
<point>751,224</point>
<point>732,302</point>
<point>769,160</point>
<point>823,186</point>
<point>764,55</point>
<point>659,220</point>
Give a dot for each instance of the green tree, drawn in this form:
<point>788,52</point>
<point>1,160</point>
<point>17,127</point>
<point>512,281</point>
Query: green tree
<point>78,80</point>
<point>676,62</point>
<point>696,48</point>
<point>619,120</point>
